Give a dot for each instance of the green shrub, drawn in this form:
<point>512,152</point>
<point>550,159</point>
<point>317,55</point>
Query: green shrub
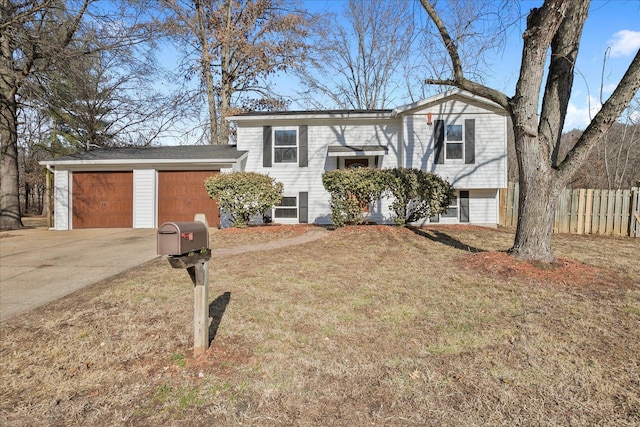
<point>417,194</point>
<point>244,194</point>
<point>352,192</point>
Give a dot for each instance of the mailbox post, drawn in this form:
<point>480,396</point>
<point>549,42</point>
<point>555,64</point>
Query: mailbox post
<point>187,246</point>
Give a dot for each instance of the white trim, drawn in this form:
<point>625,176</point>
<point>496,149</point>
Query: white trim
<point>275,129</point>
<point>440,97</point>
<point>313,115</point>
<point>144,198</point>
<point>460,142</point>
<point>287,220</point>
<point>136,162</point>
<point>356,153</point>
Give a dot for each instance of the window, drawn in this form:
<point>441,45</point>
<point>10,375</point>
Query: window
<point>454,142</point>
<point>452,210</point>
<point>285,147</point>
<point>288,208</point>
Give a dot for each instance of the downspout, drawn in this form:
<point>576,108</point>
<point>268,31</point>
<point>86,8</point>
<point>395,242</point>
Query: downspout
<point>48,174</point>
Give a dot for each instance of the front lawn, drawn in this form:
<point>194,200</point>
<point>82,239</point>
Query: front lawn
<point>369,325</point>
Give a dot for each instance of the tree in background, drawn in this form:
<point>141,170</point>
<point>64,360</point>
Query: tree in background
<point>108,99</point>
<point>42,46</point>
<point>33,35</point>
<point>355,59</point>
<point>556,28</point>
<point>234,46</point>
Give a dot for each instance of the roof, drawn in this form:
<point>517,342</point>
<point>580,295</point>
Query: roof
<point>441,97</point>
<point>356,150</point>
<point>162,154</point>
<point>311,114</point>
<point>363,114</point>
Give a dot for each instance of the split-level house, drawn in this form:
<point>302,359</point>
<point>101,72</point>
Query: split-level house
<point>457,135</point>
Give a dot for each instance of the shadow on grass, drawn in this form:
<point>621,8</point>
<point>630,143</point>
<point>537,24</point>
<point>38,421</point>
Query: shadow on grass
<point>445,239</point>
<point>216,311</point>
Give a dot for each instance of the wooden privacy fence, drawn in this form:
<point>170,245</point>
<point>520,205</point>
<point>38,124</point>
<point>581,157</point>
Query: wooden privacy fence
<point>584,211</point>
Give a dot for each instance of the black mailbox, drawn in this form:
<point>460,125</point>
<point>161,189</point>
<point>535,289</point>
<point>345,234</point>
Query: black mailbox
<point>179,238</point>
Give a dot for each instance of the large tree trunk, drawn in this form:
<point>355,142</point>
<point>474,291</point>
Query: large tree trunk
<point>227,79</point>
<point>556,24</point>
<point>538,198</point>
<point>9,183</point>
<point>207,76</point>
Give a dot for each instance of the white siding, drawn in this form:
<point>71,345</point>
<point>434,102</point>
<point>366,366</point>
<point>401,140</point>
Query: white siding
<point>144,198</point>
<point>483,207</point>
<point>410,143</point>
<point>320,137</point>
<point>489,169</point>
<point>61,199</point>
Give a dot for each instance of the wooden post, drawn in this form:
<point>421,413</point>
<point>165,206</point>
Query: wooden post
<point>49,197</point>
<point>200,308</point>
<point>197,266</point>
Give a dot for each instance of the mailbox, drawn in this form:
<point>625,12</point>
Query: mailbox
<point>179,238</point>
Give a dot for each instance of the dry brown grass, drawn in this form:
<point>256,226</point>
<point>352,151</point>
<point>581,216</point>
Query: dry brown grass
<point>369,325</point>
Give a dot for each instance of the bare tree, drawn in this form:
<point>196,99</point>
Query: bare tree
<point>108,100</point>
<point>357,60</point>
<point>620,150</point>
<point>235,46</point>
<point>36,38</point>
<point>555,28</point>
<point>32,35</point>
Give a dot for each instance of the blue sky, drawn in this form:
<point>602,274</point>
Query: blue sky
<point>612,29</point>
<point>611,24</point>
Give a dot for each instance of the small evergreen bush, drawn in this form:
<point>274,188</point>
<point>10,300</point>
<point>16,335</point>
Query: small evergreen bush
<point>244,194</point>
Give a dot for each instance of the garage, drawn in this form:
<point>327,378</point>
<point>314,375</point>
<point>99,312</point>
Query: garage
<point>102,199</point>
<point>137,187</point>
<point>181,195</point>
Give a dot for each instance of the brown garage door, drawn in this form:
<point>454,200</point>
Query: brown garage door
<point>181,195</point>
<point>102,199</point>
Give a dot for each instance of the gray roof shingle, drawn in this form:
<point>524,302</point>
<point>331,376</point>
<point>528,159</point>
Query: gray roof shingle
<point>180,152</point>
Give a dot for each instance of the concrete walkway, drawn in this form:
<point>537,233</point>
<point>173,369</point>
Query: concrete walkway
<point>39,265</point>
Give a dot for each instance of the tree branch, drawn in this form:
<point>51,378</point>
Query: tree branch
<point>602,122</point>
<point>458,76</point>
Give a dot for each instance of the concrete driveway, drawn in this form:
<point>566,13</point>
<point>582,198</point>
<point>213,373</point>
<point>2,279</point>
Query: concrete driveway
<point>39,265</point>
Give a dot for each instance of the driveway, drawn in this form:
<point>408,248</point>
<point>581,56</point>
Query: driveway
<point>39,265</point>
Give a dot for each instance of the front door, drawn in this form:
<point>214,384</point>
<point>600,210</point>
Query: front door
<point>356,163</point>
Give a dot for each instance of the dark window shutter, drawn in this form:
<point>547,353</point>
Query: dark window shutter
<point>464,206</point>
<point>266,146</point>
<point>470,141</point>
<point>439,142</point>
<point>303,147</point>
<point>303,207</point>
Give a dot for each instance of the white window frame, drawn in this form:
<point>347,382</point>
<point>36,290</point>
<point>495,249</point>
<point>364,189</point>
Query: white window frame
<point>453,141</point>
<point>445,218</point>
<point>275,147</point>
<point>294,208</point>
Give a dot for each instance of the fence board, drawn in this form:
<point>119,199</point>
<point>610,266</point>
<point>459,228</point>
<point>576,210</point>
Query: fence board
<point>573,221</point>
<point>595,219</point>
<point>587,211</point>
<point>635,210</point>
<point>625,213</point>
<point>581,205</point>
<point>602,225</point>
<point>583,211</point>
<point>611,200</point>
